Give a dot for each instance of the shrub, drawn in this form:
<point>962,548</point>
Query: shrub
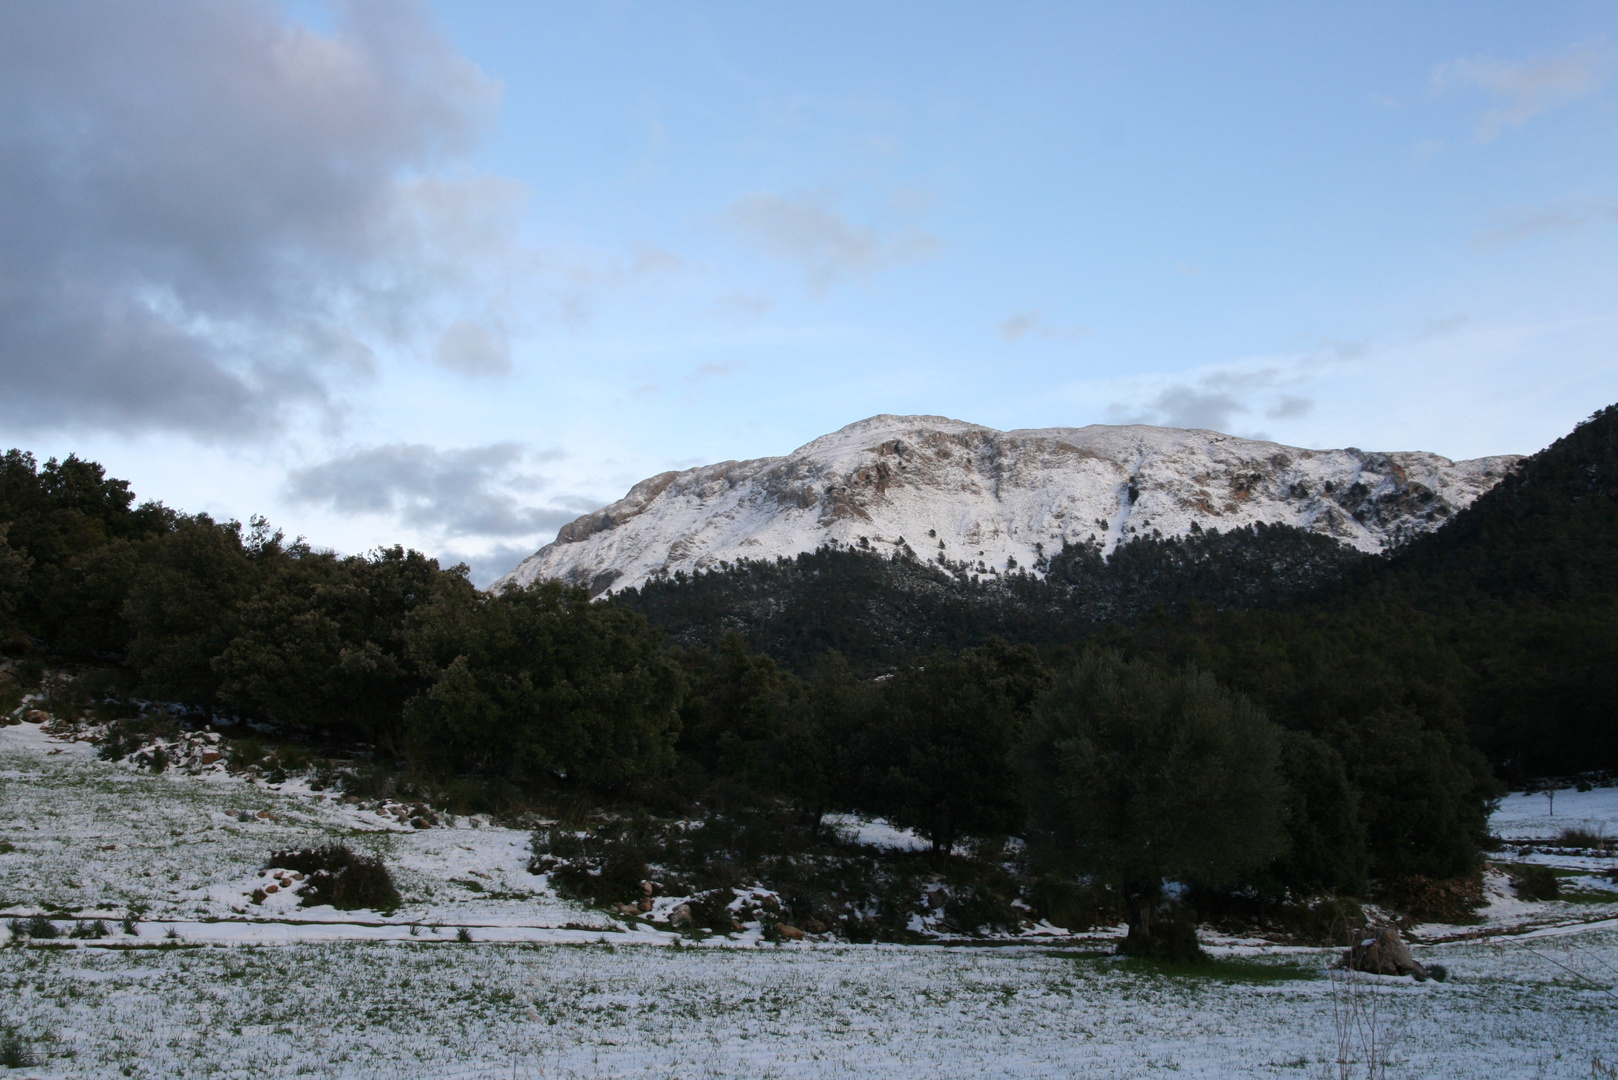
<point>711,910</point>
<point>11,696</point>
<point>37,927</point>
<point>1535,883</point>
<point>245,752</point>
<point>1070,904</point>
<point>14,1052</point>
<point>618,880</point>
<point>89,930</point>
<point>29,673</point>
<point>1325,920</point>
<point>128,734</point>
<point>603,866</point>
<point>1447,900</point>
<point>339,877</point>
<point>1582,838</point>
<point>978,906</point>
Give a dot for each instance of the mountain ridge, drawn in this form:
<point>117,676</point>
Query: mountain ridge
<point>996,500</point>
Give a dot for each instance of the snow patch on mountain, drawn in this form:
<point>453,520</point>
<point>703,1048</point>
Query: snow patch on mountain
<point>1000,499</point>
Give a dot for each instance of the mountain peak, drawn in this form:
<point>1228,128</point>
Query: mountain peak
<point>945,488</point>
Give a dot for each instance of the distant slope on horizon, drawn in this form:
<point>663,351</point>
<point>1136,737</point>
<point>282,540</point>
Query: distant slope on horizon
<point>995,500</point>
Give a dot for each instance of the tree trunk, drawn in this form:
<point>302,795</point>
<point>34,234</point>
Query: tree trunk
<point>1140,905</point>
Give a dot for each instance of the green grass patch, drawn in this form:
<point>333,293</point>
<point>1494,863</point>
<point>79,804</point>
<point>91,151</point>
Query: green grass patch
<point>1084,954</point>
<point>1588,896</point>
<point>1222,969</point>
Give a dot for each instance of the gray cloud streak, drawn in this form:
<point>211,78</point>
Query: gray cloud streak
<point>826,245</point>
<point>213,214</point>
<point>1215,402</point>
<point>1546,221</point>
<point>476,491</point>
<point>1026,323</point>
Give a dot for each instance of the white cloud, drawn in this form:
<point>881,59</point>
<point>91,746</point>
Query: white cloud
<point>1457,386</point>
<point>1529,87</point>
<point>705,372</point>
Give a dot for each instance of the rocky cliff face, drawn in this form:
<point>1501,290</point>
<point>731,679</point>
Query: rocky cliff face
<point>999,499</point>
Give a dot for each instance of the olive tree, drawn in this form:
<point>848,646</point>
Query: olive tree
<point>1141,774</point>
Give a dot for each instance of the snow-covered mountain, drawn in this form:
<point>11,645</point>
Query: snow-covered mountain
<point>1000,498</point>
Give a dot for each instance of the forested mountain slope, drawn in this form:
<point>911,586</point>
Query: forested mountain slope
<point>879,610</point>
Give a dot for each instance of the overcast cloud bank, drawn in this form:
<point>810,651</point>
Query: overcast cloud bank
<point>213,214</point>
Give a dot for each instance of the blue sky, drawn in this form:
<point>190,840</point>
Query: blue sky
<point>451,275</point>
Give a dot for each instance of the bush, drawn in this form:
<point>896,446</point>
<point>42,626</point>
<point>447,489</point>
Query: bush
<point>1070,904</point>
<point>974,907</point>
<point>1325,920</point>
<point>89,930</point>
<point>11,696</point>
<point>1582,838</point>
<point>245,752</point>
<point>617,880</point>
<point>338,877</point>
<point>711,910</point>
<point>37,927</point>
<point>29,673</point>
<point>14,1052</point>
<point>1535,883</point>
<point>1446,900</point>
<point>127,735</point>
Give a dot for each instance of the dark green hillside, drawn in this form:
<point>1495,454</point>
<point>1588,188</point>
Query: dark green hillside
<point>1546,535</point>
<point>1528,579</point>
<point>1502,624</point>
<point>880,612</point>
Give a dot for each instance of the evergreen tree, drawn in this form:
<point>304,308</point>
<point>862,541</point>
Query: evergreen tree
<point>537,684</point>
<point>1142,774</point>
<point>321,646</point>
<point>731,713</point>
<point>937,755</point>
<point>815,759</point>
<point>184,609</point>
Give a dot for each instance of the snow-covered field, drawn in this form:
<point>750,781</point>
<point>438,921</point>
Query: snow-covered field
<point>244,990</point>
<point>1540,817</point>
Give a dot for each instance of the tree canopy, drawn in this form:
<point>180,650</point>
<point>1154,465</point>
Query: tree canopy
<point>1139,773</point>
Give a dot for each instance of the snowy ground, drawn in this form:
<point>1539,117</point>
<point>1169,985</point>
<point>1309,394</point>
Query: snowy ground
<point>1538,817</point>
<point>274,990</point>
<point>875,833</point>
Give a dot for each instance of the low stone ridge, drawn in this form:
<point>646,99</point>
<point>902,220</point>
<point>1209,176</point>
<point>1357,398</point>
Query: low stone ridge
<point>975,495</point>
